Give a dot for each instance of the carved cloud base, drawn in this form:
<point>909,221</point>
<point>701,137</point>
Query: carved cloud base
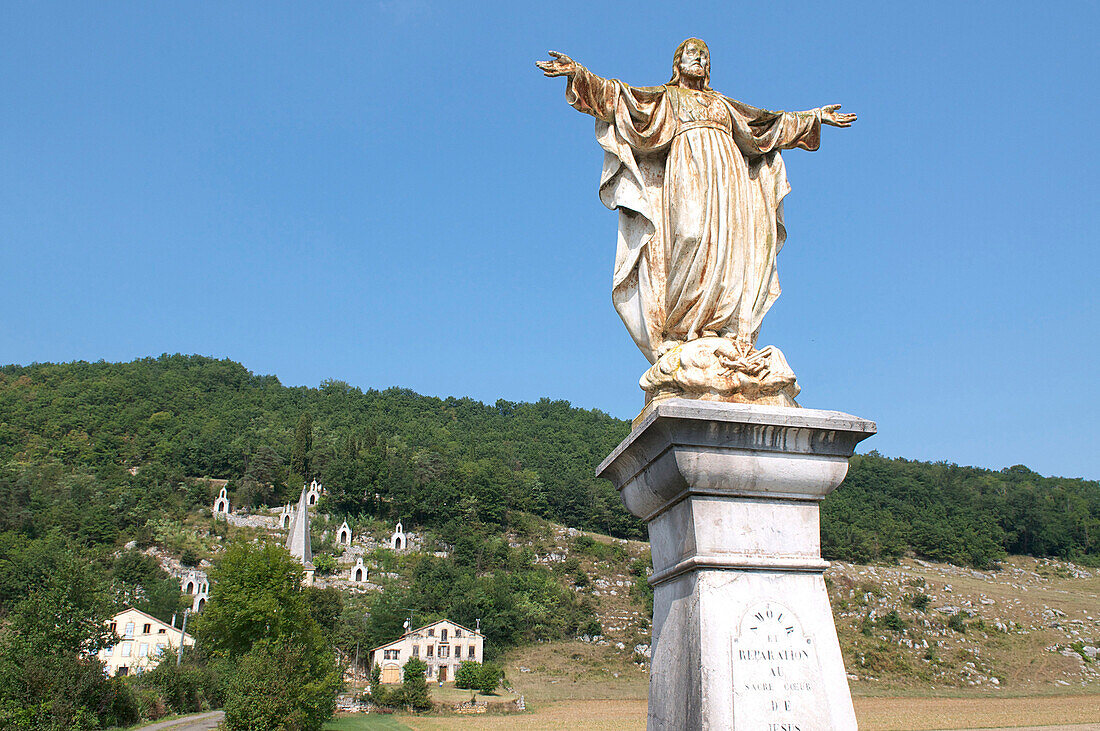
<point>743,637</point>
<point>715,369</point>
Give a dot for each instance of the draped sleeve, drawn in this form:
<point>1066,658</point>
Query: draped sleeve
<point>634,126</point>
<point>759,131</point>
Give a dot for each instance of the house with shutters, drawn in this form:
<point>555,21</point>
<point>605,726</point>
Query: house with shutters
<point>442,646</point>
<point>142,640</point>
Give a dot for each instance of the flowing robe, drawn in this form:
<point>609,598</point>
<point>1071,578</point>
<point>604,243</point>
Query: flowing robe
<point>699,183</point>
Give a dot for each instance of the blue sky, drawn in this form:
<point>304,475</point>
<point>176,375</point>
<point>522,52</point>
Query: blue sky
<point>389,193</point>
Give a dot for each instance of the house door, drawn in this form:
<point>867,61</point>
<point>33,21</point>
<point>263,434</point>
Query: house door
<point>391,674</point>
<point>442,673</point>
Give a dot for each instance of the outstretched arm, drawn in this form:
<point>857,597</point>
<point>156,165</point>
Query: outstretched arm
<point>584,91</point>
<point>830,116</point>
<point>561,65</point>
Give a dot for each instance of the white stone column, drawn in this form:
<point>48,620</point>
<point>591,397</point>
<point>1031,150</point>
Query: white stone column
<point>743,636</point>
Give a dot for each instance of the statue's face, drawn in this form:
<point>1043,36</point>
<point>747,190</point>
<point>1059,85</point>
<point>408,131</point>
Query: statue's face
<point>695,61</point>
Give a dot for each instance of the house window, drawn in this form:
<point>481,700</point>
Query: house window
<point>444,651</point>
<point>458,651</point>
<point>443,634</point>
<point>114,627</point>
<point>143,649</point>
<point>127,647</point>
<point>391,654</point>
<point>431,650</point>
<point>458,633</point>
<point>471,653</point>
<point>129,630</point>
<point>123,670</point>
<point>431,633</point>
<point>416,650</point>
<point>162,631</point>
<point>147,629</point>
<point>431,670</point>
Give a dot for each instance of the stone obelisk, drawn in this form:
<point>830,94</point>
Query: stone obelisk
<point>723,466</point>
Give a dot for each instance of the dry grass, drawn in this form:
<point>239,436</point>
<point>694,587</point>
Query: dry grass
<point>575,670</point>
<point>918,714</point>
<point>874,714</point>
<point>598,715</point>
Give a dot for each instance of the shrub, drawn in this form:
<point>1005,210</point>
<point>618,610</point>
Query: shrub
<point>184,688</point>
<point>325,564</point>
<point>892,621</point>
<point>489,677</point>
<point>918,601</point>
<point>957,622</point>
<point>468,675</point>
<point>281,685</point>
<point>414,685</point>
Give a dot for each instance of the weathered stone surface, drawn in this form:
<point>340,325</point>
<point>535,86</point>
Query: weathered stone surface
<point>730,493</point>
<point>716,369</point>
<point>699,182</point>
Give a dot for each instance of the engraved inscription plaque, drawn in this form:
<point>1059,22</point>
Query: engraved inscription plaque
<point>777,678</point>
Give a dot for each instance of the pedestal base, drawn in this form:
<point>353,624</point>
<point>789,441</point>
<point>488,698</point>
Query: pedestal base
<point>743,636</point>
<point>746,650</point>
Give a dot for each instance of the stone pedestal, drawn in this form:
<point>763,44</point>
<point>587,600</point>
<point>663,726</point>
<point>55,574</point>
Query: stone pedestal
<point>743,636</point>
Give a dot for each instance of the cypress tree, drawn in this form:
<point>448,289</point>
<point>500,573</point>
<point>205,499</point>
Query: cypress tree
<point>303,446</point>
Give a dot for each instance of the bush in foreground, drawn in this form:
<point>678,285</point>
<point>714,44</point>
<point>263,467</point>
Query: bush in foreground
<point>279,686</point>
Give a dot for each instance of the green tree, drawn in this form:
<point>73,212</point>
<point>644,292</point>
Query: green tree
<point>414,685</point>
<point>303,447</point>
<point>468,675</point>
<point>489,677</point>
<point>282,686</point>
<point>256,594</point>
<point>49,676</point>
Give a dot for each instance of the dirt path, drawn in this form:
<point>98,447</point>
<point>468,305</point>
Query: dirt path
<point>198,722</point>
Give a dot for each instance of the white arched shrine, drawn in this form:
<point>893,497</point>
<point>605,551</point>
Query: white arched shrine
<point>359,573</point>
<point>314,492</point>
<point>197,586</point>
<point>221,505</point>
<point>285,517</point>
<point>398,541</point>
<point>343,535</point>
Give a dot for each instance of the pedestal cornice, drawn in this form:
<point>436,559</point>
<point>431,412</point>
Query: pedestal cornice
<point>685,447</point>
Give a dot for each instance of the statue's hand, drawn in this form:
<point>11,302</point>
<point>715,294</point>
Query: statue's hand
<point>562,65</point>
<point>830,115</point>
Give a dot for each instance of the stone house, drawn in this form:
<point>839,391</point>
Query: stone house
<point>442,646</point>
<point>143,638</point>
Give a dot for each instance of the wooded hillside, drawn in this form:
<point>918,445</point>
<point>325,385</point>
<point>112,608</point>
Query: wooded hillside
<point>71,434</point>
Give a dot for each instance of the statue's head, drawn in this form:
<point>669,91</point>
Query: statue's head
<point>691,60</point>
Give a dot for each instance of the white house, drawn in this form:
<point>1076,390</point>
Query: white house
<point>143,638</point>
<point>442,645</point>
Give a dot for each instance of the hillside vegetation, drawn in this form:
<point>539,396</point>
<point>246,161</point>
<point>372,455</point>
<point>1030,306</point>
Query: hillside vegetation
<point>71,435</point>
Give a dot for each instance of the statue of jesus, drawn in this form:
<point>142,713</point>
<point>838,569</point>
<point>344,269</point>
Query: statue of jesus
<point>699,184</point>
